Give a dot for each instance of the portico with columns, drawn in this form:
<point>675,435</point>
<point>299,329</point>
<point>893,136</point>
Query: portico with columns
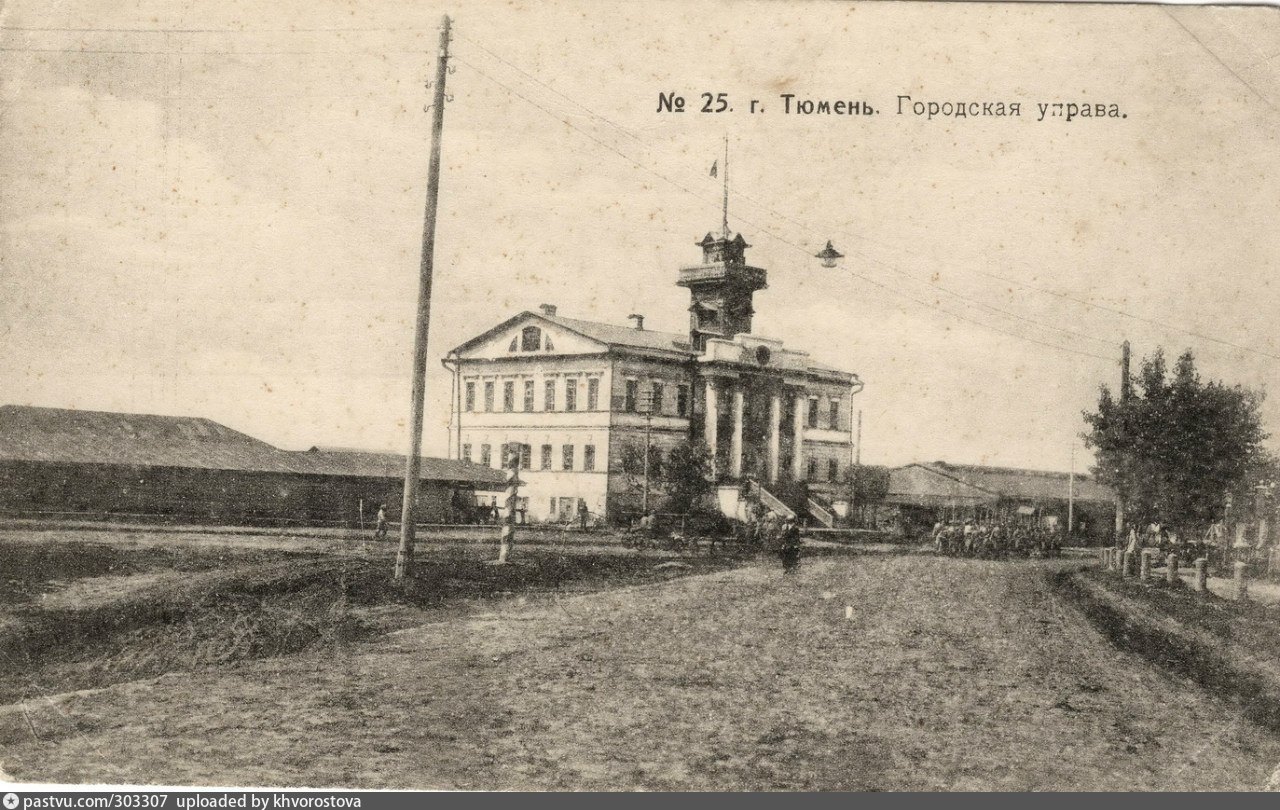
<point>585,399</point>
<point>758,414</point>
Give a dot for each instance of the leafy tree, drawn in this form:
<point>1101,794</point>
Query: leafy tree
<point>866,483</point>
<point>687,476</point>
<point>1177,445</point>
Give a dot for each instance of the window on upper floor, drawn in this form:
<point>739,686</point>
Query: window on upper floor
<point>571,394</point>
<point>546,456</point>
<point>682,400</point>
<point>632,396</point>
<point>655,398</point>
<point>549,395</point>
<point>813,413</point>
<point>833,469</point>
<point>566,462</point>
<point>835,414</point>
<point>528,395</point>
<point>486,455</point>
<point>488,396</point>
<point>530,339</point>
<point>593,394</point>
<point>509,395</point>
<point>589,457</point>
<point>470,396</point>
<point>466,452</point>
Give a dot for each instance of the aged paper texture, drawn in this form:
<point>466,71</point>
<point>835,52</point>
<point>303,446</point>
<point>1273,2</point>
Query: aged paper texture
<point>639,396</point>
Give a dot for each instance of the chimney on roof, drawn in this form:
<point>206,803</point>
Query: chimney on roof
<point>639,321</point>
<point>548,309</point>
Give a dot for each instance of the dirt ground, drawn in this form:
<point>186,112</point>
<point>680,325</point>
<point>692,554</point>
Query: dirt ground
<point>950,674</point>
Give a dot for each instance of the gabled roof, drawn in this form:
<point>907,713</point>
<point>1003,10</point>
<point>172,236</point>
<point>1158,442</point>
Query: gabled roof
<point>65,436</point>
<point>925,484</point>
<point>1021,484</point>
<point>610,335</point>
<point>370,464</point>
<point>100,437</point>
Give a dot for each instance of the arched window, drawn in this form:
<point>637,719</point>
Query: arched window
<point>530,339</point>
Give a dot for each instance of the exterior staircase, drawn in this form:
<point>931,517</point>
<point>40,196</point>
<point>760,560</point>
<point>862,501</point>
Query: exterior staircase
<point>771,502</point>
<point>823,515</point>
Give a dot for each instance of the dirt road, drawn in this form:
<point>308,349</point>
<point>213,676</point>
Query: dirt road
<point>951,674</point>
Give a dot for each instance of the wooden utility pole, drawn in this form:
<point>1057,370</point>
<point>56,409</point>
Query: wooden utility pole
<point>413,467</point>
<point>1126,392</point>
<point>1071,494</point>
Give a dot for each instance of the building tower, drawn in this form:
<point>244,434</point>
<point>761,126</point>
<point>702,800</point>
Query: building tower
<point>720,289</point>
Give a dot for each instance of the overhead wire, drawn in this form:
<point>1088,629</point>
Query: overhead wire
<point>765,230</point>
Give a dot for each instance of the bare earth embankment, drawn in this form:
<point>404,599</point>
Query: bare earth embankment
<point>952,674</point>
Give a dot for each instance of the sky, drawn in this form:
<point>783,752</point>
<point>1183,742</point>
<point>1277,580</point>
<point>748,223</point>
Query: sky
<point>216,209</point>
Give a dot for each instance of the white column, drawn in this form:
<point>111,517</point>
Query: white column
<point>711,415</point>
<point>735,461</point>
<point>797,457</point>
<point>775,434</point>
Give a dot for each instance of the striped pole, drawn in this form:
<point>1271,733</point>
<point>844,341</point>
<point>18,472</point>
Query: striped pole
<point>513,489</point>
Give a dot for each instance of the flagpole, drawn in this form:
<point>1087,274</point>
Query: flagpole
<point>726,186</point>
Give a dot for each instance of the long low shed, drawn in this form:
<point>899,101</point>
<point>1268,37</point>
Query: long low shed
<point>68,463</point>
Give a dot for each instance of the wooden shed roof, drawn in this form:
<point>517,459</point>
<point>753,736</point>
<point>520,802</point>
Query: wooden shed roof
<point>67,436</point>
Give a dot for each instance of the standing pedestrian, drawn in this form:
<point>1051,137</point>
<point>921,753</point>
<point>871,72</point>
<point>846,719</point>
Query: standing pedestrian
<point>381,532</point>
<point>583,514</point>
<point>789,547</point>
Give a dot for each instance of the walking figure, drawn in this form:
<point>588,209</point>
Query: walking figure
<point>583,514</point>
<point>789,547</point>
<point>381,532</point>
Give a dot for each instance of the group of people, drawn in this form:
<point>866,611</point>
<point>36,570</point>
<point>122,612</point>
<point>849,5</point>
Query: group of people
<point>996,540</point>
<point>1157,535</point>
<point>773,532</point>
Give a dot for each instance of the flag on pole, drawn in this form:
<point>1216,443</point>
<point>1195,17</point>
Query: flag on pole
<point>714,166</point>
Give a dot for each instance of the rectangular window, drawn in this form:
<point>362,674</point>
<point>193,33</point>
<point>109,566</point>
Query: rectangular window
<point>835,414</point>
<point>466,452</point>
<point>549,395</point>
<point>682,400</point>
<point>593,394</point>
<point>813,412</point>
<point>551,513</point>
<point>488,396</point>
<point>813,469</point>
<point>566,461</point>
<point>528,395</point>
<point>486,455</point>
<point>509,396</point>
<point>471,396</point>
<point>833,470</point>
<point>632,396</point>
<point>589,457</point>
<point>655,405</point>
<point>526,457</point>
<point>546,456</point>
<point>571,395</point>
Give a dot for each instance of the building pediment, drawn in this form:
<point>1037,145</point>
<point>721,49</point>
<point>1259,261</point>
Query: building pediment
<point>528,334</point>
<point>755,351</point>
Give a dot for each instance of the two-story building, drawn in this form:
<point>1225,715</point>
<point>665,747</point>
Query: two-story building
<point>582,399</point>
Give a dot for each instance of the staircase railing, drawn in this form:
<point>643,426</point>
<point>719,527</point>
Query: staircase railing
<point>825,517</point>
<point>772,503</point>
